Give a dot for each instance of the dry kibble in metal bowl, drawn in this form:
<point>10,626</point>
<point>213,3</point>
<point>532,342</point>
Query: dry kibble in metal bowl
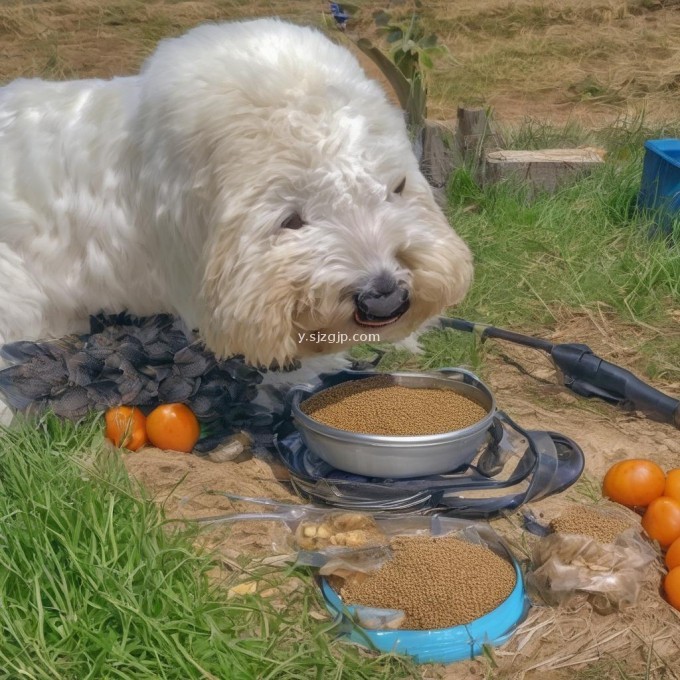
<point>377,406</point>
<point>404,404</point>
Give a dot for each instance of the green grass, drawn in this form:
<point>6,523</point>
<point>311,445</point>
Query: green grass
<point>94,585</point>
<point>577,248</point>
<point>586,248</point>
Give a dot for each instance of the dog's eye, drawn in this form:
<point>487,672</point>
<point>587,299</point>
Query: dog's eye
<point>293,221</point>
<point>400,187</point>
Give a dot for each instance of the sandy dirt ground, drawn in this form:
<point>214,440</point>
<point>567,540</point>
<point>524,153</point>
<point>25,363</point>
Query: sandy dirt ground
<point>555,641</point>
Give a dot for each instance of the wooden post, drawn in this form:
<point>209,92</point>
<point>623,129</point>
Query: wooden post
<point>475,135</point>
<point>437,157</point>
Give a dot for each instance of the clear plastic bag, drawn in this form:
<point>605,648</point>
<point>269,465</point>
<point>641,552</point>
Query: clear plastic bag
<point>370,552</point>
<point>306,531</point>
<point>611,574</point>
<point>341,542</point>
<point>338,529</point>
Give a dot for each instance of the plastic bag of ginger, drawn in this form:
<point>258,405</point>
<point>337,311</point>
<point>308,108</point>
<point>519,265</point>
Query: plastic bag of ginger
<point>599,552</point>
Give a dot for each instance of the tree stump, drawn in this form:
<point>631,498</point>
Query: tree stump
<point>542,170</point>
<point>440,151</point>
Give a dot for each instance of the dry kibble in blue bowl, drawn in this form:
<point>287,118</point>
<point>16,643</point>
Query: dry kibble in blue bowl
<point>474,595</point>
<point>439,582</point>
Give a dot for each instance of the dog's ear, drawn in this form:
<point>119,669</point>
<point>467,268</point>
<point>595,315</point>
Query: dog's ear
<point>440,261</point>
<point>248,300</point>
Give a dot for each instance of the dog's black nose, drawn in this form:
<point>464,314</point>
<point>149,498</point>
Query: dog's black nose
<point>383,299</point>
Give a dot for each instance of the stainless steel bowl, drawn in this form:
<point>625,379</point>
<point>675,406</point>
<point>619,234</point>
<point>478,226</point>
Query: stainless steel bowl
<point>399,457</point>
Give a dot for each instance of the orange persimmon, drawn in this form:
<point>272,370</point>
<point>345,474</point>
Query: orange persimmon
<point>661,520</point>
<point>174,427</point>
<point>634,482</point>
<point>672,488</point>
<point>672,558</point>
<point>671,587</point>
<point>126,427</point>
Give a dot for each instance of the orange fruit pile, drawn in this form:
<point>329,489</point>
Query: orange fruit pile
<point>169,426</point>
<point>642,484</point>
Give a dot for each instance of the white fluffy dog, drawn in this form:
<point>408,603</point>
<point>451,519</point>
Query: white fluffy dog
<point>250,179</point>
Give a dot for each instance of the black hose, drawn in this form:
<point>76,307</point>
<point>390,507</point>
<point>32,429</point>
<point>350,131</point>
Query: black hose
<point>587,374</point>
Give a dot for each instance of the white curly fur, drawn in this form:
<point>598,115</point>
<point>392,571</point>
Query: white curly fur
<point>165,192</point>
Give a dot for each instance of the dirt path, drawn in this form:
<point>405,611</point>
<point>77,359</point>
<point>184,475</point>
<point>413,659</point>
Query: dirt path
<point>559,60</point>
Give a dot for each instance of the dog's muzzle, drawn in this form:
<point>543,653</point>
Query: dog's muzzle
<point>382,302</point>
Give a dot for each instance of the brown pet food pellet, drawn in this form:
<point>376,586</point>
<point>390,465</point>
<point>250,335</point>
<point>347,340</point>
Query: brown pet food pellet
<point>585,521</point>
<point>437,582</point>
<point>378,406</point>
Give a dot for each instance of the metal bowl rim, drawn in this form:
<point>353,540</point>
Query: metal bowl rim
<point>422,440</point>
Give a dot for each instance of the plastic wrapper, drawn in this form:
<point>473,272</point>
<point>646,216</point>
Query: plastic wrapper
<point>382,629</point>
<point>312,534</point>
<point>379,619</point>
<point>317,534</point>
<point>338,530</point>
<point>369,537</point>
<point>611,574</point>
<point>347,543</point>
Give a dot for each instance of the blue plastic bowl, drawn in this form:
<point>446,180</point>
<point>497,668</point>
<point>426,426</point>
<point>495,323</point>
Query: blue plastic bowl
<point>443,645</point>
<point>660,188</point>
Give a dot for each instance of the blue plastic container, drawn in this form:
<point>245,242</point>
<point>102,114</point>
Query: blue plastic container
<point>444,645</point>
<point>660,189</point>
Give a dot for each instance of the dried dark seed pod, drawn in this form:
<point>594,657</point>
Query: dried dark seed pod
<point>137,361</point>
